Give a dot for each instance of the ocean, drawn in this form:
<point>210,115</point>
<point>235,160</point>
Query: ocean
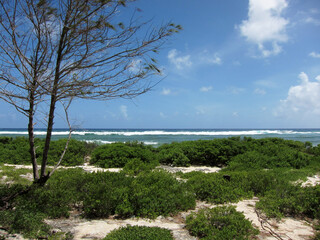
<point>157,137</point>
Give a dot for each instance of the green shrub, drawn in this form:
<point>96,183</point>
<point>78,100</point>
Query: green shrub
<point>135,166</point>
<point>150,194</point>
<point>139,232</point>
<point>159,193</point>
<point>118,154</point>
<point>220,223</point>
<point>16,151</point>
<point>290,200</point>
<point>23,215</point>
<point>75,153</point>
<point>104,192</point>
<point>173,156</point>
<point>214,188</point>
<point>216,152</point>
<point>29,223</point>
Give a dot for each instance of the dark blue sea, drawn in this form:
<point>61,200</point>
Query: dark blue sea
<point>157,137</point>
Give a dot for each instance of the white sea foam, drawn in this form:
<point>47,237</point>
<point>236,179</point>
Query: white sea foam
<point>109,142</point>
<point>194,133</point>
<point>167,133</point>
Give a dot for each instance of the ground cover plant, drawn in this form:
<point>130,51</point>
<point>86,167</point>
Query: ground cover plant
<point>139,232</point>
<point>239,153</point>
<point>291,201</point>
<point>16,151</point>
<point>119,154</point>
<point>95,195</point>
<point>220,223</point>
<point>150,194</point>
<point>9,174</point>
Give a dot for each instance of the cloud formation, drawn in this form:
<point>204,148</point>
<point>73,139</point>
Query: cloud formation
<point>265,25</point>
<point>259,91</point>
<point>207,58</point>
<point>314,54</point>
<point>206,89</point>
<point>302,99</point>
<point>166,91</point>
<point>312,20</point>
<point>180,62</point>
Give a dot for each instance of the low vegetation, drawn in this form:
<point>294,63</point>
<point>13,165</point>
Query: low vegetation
<point>220,223</point>
<point>16,151</point>
<point>139,232</point>
<point>266,168</point>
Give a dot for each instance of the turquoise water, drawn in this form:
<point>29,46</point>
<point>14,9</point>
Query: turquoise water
<point>157,137</point>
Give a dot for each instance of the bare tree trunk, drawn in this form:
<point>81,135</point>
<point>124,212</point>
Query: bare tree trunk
<point>48,137</point>
<point>31,143</point>
<point>54,100</point>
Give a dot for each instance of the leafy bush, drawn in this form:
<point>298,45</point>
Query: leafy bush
<point>16,151</point>
<point>220,223</point>
<point>173,156</point>
<point>291,200</point>
<point>147,195</point>
<point>118,154</point>
<point>21,218</point>
<point>159,193</point>
<point>135,166</point>
<point>214,188</point>
<point>105,193</point>
<point>202,152</point>
<point>75,153</point>
<point>29,222</point>
<point>139,232</point>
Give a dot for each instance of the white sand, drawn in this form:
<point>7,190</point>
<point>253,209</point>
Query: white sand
<point>286,229</point>
<point>190,169</point>
<point>311,181</point>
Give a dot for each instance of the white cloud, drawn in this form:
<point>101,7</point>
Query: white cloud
<point>259,91</point>
<point>206,89</point>
<point>162,115</point>
<point>235,114</point>
<point>236,90</point>
<point>207,58</point>
<point>266,83</point>
<point>166,91</point>
<point>179,62</point>
<point>216,60</point>
<point>124,111</point>
<point>302,99</point>
<point>312,20</point>
<point>314,54</point>
<point>265,25</point>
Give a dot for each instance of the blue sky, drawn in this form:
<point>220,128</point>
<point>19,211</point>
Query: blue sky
<point>236,64</point>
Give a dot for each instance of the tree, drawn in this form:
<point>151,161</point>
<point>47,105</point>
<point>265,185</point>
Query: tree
<point>53,51</point>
